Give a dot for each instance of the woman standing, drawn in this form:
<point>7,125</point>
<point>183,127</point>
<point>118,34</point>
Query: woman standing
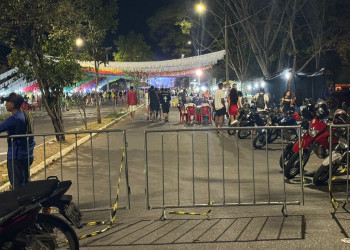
<point>287,102</point>
<point>234,102</point>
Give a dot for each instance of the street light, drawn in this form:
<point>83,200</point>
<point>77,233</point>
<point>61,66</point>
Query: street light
<point>200,8</point>
<point>79,42</point>
<point>199,72</point>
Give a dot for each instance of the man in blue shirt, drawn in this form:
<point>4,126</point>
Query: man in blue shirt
<point>18,157</point>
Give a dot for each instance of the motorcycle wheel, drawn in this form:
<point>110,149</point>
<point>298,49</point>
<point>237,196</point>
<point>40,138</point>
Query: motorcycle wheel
<point>292,168</point>
<point>52,232</point>
<point>231,131</point>
<point>273,136</point>
<point>321,175</point>
<point>243,134</point>
<point>287,154</point>
<point>259,141</point>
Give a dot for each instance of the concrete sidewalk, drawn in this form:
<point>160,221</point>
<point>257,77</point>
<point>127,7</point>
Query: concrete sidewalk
<point>306,227</point>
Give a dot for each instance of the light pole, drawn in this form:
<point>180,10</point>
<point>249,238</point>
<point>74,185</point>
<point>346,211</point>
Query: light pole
<point>199,72</point>
<point>200,8</point>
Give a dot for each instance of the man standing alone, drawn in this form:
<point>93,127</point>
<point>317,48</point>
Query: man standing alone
<point>18,157</point>
<point>219,106</point>
<point>131,99</point>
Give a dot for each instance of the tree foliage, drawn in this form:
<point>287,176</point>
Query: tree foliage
<point>170,28</point>
<point>41,36</point>
<point>98,18</point>
<point>132,48</point>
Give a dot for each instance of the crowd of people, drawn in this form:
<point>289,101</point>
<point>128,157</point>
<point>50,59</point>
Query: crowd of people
<point>224,102</point>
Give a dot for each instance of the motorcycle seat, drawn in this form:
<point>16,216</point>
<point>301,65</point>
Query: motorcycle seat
<point>35,190</point>
<point>8,203</point>
<point>28,194</point>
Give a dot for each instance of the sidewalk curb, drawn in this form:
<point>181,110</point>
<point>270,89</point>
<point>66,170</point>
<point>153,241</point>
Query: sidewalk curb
<point>41,166</point>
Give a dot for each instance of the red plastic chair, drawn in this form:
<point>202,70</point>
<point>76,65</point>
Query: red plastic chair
<point>25,106</point>
<point>205,111</point>
<point>191,111</point>
<point>183,114</point>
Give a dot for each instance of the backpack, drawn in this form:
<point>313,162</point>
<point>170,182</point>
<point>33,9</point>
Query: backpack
<point>260,102</point>
<point>29,122</point>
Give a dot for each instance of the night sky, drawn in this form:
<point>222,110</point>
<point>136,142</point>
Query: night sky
<point>133,15</point>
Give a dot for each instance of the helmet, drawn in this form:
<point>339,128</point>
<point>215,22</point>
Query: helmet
<point>340,117</point>
<point>322,110</point>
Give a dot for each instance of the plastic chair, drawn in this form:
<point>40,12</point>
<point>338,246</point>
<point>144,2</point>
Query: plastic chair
<point>183,115</point>
<point>205,111</point>
<point>191,111</point>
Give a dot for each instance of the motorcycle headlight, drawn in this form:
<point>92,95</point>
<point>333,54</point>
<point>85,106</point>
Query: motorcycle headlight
<point>343,143</point>
<point>313,132</point>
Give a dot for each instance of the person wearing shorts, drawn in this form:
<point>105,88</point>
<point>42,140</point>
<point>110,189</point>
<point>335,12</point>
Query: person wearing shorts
<point>219,106</point>
<point>165,100</point>
<point>131,99</point>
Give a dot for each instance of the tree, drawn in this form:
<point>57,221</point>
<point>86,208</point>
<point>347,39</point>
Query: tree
<point>40,34</point>
<point>133,48</point>
<point>167,29</point>
<point>99,17</point>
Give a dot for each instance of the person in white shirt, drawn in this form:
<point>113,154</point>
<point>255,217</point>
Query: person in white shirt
<point>261,100</point>
<point>147,104</point>
<point>219,106</point>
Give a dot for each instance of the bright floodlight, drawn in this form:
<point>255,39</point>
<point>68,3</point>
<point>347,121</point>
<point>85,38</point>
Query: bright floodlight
<point>189,42</point>
<point>256,85</point>
<point>79,42</point>
<point>203,88</point>
<point>200,8</point>
<point>287,75</point>
<point>249,87</point>
<point>199,72</point>
<point>263,84</point>
<point>182,55</point>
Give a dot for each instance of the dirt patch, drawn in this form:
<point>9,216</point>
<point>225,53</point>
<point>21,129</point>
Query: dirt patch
<point>53,147</point>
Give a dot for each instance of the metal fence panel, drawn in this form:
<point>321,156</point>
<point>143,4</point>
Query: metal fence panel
<point>93,165</point>
<point>198,167</point>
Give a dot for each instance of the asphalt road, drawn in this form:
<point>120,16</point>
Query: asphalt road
<point>72,119</point>
<point>236,179</point>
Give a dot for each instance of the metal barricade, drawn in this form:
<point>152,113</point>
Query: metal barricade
<point>198,168</point>
<point>92,160</point>
<point>338,162</point>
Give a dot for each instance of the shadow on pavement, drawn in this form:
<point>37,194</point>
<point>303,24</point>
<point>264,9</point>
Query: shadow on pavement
<point>186,230</point>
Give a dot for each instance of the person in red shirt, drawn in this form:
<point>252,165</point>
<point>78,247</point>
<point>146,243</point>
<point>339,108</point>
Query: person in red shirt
<point>131,100</point>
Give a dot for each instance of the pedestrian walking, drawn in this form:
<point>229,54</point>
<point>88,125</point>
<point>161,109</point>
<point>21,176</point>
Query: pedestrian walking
<point>261,100</point>
<point>219,106</point>
<point>19,159</point>
<point>234,103</point>
<point>147,104</point>
<point>154,103</point>
<point>165,99</point>
<point>131,100</point>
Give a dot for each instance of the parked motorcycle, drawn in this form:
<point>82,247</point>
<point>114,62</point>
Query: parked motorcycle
<point>315,140</point>
<point>248,118</point>
<point>272,134</point>
<point>307,114</point>
<point>340,153</point>
<point>26,222</point>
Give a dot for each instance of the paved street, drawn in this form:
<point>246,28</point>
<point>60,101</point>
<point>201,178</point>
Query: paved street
<point>71,119</point>
<point>231,180</point>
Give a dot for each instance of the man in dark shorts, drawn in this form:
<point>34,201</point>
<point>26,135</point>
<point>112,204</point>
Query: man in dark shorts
<point>165,99</point>
<point>219,106</point>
